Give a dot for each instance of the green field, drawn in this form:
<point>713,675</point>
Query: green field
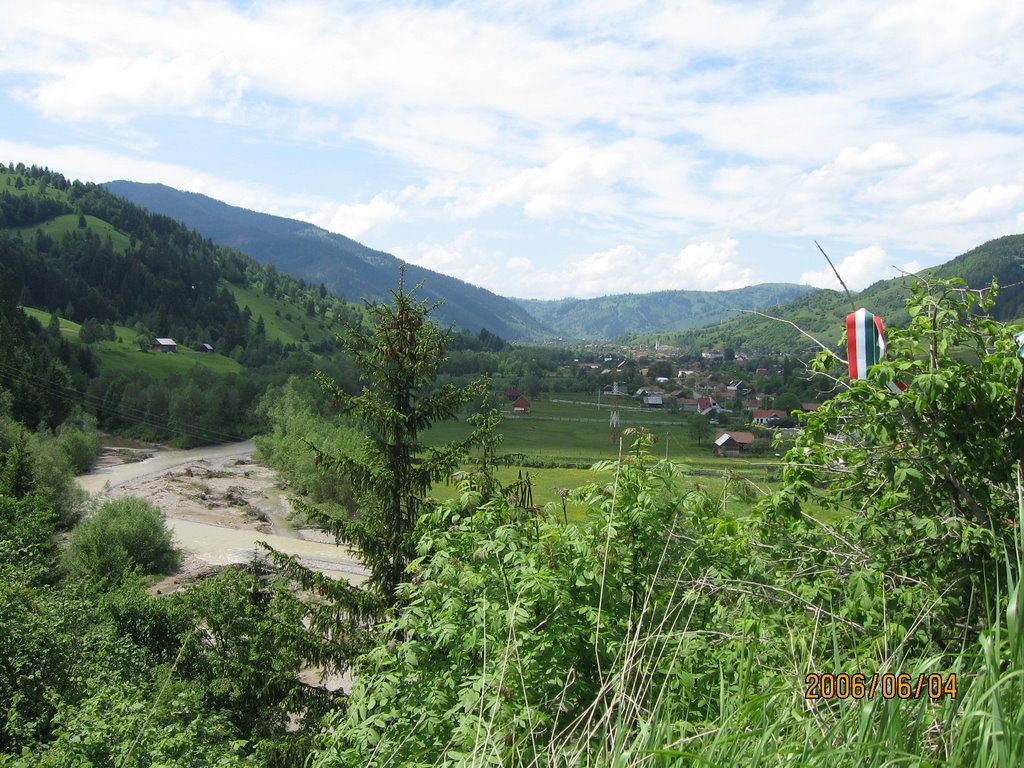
<point>61,225</point>
<point>284,320</point>
<point>559,441</point>
<point>578,431</point>
<point>125,355</point>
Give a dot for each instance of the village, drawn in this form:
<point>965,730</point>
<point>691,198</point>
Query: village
<point>733,403</point>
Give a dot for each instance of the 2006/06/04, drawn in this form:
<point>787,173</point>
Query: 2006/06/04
<point>888,686</point>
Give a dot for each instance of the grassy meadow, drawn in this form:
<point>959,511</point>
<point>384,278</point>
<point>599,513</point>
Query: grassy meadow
<point>285,321</point>
<point>560,439</point>
<point>123,354</point>
<point>57,227</point>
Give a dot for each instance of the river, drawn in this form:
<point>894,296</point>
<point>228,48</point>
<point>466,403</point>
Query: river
<point>205,530</point>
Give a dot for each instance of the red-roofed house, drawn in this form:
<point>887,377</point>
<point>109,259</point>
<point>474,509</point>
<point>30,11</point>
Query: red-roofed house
<point>522,405</point>
<point>769,415</point>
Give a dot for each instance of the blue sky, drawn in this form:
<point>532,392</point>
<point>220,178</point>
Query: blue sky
<point>545,150</point>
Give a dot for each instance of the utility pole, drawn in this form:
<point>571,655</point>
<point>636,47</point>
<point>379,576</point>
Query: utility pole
<point>613,422</point>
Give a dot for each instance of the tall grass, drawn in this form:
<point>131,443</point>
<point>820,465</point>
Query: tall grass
<point>682,690</point>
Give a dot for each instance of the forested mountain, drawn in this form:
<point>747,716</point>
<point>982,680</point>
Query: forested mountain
<point>823,313</point>
<point>610,316</point>
<point>36,368</point>
<point>352,269</point>
<point>343,265</point>
<point>107,277</point>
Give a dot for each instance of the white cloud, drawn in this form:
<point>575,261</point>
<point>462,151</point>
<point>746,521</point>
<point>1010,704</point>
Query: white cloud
<point>711,266</point>
<point>519,263</point>
<point>706,266</point>
<point>981,204</point>
<point>617,270</point>
<point>575,174</point>
<point>858,270</point>
<point>878,156</point>
<point>610,125</point>
<point>354,220</point>
<point>461,257</point>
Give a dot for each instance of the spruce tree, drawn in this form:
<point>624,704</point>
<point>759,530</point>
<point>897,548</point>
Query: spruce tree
<point>16,477</point>
<point>399,359</point>
<point>399,353</point>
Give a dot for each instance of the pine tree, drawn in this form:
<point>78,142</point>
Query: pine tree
<point>399,357</point>
<point>16,469</point>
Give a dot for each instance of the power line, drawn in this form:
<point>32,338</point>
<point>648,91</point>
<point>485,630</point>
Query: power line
<point>100,406</point>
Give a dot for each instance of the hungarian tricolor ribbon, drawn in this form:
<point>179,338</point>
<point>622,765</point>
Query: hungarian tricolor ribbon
<point>865,345</point>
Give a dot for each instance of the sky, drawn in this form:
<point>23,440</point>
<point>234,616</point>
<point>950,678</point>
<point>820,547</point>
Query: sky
<point>551,149</point>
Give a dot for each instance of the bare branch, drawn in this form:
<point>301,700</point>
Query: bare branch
<point>790,322</point>
<point>841,282</point>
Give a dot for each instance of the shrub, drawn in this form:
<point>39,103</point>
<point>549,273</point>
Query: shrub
<point>123,534</point>
<point>78,441</point>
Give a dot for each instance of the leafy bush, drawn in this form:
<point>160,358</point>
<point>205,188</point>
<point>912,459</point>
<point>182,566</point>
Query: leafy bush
<point>26,536</point>
<point>664,629</point>
<point>517,628</point>
<point>79,442</point>
<point>123,534</point>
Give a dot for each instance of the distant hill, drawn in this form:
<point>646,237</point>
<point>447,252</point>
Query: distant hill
<point>624,314</point>
<point>341,264</point>
<point>823,313</point>
<point>105,278</point>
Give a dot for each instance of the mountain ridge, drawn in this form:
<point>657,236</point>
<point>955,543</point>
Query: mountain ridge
<point>343,265</point>
<point>822,313</point>
<point>349,268</point>
<point>666,311</point>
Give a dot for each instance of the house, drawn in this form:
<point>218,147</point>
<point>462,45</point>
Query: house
<point>706,405</point>
<point>522,405</point>
<point>514,394</point>
<point>809,407</point>
<point>761,372</point>
<point>688,404</point>
<point>645,391</point>
<point>207,348</point>
<point>653,401</point>
<point>165,345</point>
<point>731,443</point>
<point>769,415</point>
<point>713,354</point>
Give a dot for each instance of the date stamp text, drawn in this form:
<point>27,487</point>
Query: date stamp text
<point>826,685</point>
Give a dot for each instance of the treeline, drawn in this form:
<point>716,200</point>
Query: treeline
<point>44,462</point>
<point>301,419</point>
<point>41,371</point>
<point>83,254</point>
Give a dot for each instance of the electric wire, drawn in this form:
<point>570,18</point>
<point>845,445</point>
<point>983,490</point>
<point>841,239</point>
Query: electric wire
<point>100,406</point>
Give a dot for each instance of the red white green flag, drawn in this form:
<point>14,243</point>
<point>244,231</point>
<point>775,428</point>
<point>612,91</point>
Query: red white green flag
<point>865,342</point>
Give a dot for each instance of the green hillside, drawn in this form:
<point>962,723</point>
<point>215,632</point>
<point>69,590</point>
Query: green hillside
<point>343,265</point>
<point>610,316</point>
<point>122,354</point>
<point>67,224</point>
<point>101,278</point>
<point>822,313</point>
